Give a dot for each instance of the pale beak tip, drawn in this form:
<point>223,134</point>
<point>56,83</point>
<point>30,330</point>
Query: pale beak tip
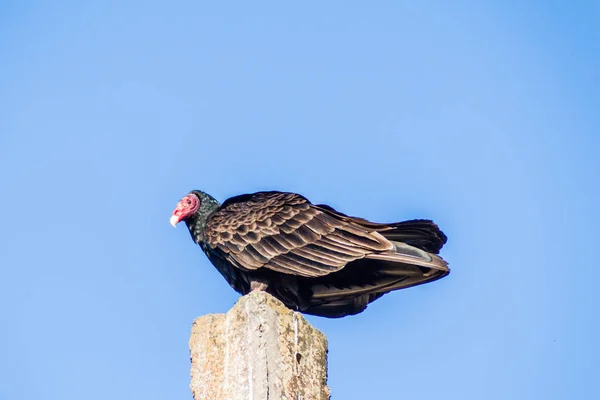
<point>174,220</point>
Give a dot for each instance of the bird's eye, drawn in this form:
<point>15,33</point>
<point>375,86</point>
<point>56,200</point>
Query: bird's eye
<point>189,201</point>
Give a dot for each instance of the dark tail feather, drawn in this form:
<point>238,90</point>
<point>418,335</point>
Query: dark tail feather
<point>420,233</point>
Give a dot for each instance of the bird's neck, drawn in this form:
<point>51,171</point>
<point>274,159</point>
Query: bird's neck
<point>197,222</point>
<point>196,226</point>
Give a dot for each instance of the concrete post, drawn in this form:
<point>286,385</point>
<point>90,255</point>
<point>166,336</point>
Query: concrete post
<point>259,350</point>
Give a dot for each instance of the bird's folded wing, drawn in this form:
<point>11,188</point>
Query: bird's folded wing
<point>284,232</point>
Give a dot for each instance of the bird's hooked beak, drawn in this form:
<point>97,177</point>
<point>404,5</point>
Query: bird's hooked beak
<point>174,220</point>
<point>177,215</point>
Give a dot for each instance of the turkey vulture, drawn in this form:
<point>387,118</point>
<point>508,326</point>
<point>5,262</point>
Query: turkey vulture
<point>311,257</point>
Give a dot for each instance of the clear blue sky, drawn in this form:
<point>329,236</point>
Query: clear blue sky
<point>481,115</point>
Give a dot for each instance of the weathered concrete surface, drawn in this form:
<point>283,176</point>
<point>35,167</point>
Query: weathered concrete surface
<point>259,350</point>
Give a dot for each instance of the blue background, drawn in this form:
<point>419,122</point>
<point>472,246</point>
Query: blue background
<point>483,116</point>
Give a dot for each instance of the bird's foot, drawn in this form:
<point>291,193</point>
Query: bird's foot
<point>256,286</point>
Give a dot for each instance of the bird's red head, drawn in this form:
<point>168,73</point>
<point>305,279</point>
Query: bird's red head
<point>187,206</point>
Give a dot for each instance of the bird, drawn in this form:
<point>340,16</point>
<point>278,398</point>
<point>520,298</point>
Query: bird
<point>313,258</point>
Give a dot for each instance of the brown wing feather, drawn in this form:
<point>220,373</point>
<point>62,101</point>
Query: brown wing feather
<point>284,232</point>
<point>421,233</point>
